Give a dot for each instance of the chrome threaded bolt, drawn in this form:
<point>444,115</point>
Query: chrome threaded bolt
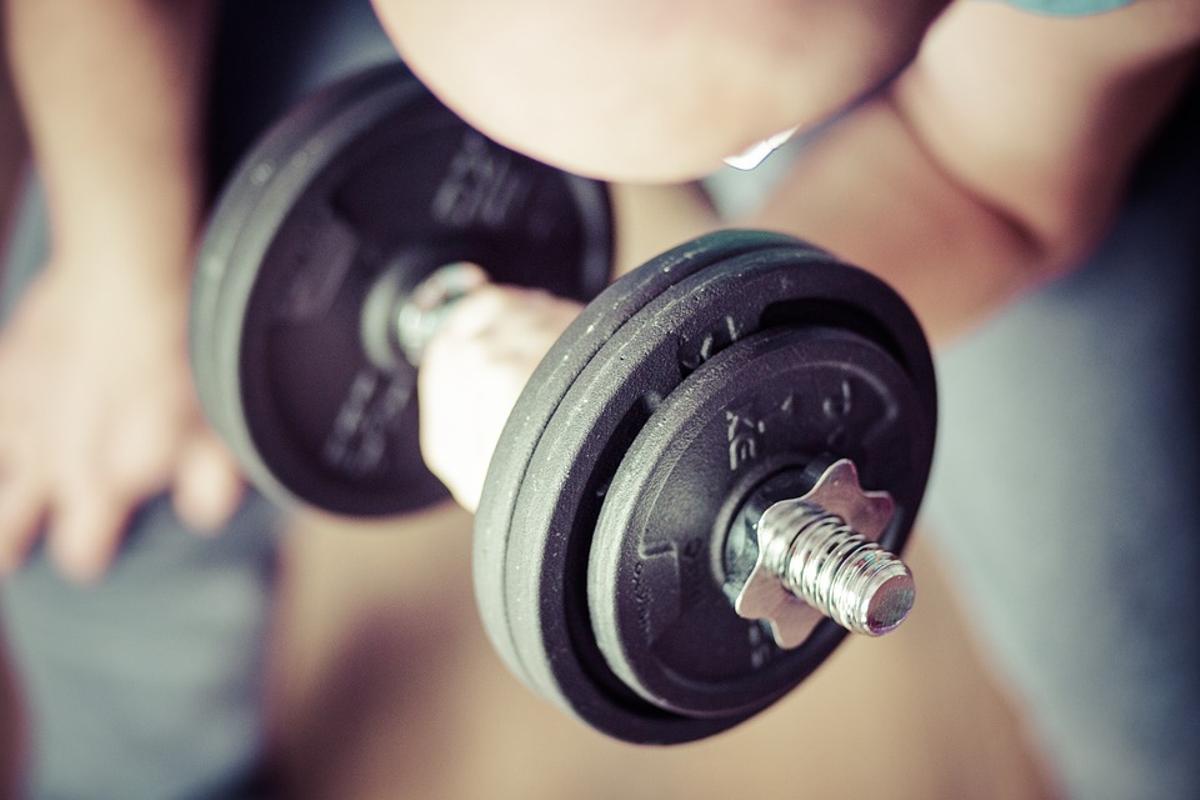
<point>836,570</point>
<point>817,555</point>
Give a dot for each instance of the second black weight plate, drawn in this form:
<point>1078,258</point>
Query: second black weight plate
<point>774,402</point>
<point>372,180</point>
<point>598,418</point>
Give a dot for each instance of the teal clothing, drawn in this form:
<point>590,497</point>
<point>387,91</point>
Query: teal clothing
<point>1068,8</point>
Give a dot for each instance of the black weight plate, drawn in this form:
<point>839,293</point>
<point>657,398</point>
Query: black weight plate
<point>777,400</point>
<point>542,395</point>
<point>372,176</point>
<point>597,420</point>
<point>232,213</point>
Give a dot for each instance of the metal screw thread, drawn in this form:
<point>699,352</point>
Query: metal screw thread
<point>839,572</point>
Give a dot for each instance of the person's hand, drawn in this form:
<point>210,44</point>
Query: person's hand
<point>471,374</point>
<point>97,414</point>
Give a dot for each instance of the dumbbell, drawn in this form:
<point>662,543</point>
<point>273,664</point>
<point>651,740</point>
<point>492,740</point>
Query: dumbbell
<point>703,485</point>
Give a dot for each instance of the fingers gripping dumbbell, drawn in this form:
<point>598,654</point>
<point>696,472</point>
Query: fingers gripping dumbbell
<point>674,530</point>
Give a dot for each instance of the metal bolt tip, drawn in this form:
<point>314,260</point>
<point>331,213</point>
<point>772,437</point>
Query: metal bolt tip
<point>889,603</point>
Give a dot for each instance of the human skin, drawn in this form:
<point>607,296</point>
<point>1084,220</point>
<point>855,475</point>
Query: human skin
<point>639,91</point>
<point>97,411</point>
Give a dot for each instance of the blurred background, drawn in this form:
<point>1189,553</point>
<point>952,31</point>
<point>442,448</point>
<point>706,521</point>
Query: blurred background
<point>384,685</point>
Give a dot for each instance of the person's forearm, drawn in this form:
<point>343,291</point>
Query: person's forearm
<point>997,161</point>
<point>652,219</point>
<point>872,195</point>
<point>112,94</point>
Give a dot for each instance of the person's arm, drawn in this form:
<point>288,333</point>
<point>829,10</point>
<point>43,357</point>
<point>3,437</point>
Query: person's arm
<point>112,97</point>
<point>96,406</point>
<point>998,159</point>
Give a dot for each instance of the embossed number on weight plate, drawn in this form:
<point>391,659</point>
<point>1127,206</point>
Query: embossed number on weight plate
<point>481,186</point>
<point>358,440</point>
